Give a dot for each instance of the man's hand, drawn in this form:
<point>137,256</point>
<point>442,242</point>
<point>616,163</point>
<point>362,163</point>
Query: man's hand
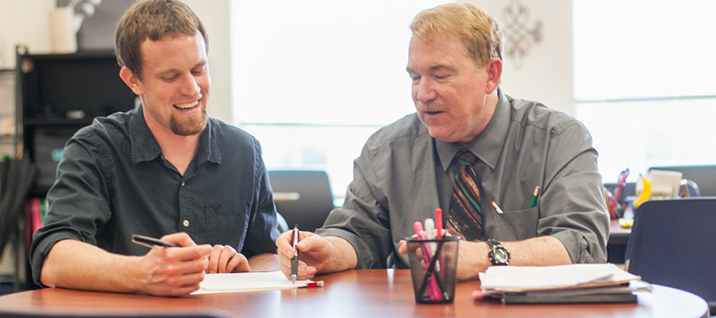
<point>316,254</point>
<point>173,271</point>
<point>225,259</point>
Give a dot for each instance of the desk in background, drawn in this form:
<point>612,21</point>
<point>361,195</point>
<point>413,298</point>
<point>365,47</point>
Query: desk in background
<point>356,293</point>
<point>617,243</point>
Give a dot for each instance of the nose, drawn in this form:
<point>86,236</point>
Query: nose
<point>423,91</point>
<point>189,86</point>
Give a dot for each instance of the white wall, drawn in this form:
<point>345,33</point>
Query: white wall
<point>27,22</point>
<point>545,74</point>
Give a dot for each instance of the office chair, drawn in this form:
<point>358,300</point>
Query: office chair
<point>302,197</point>
<point>671,244</point>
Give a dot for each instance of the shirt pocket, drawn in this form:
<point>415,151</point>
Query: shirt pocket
<point>227,223</point>
<point>515,225</point>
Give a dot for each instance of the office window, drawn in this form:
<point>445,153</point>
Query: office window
<point>644,75</point>
<point>313,79</point>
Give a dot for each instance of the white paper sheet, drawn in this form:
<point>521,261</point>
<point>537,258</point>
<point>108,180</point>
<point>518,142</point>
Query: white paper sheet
<point>243,282</point>
<point>522,278</point>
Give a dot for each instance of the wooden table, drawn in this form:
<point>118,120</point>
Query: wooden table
<point>357,293</point>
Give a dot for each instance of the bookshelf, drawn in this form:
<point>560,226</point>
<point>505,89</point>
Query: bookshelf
<point>56,95</point>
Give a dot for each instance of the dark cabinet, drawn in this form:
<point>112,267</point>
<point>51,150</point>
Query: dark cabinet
<point>56,95</point>
<point>59,93</point>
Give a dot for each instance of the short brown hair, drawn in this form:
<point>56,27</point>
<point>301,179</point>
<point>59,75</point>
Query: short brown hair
<point>153,19</point>
<point>479,32</point>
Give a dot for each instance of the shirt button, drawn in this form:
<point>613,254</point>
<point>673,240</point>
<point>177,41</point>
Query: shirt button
<point>185,223</point>
<point>182,183</point>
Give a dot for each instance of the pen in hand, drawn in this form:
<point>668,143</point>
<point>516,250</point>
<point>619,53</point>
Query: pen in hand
<point>150,241</point>
<point>294,260</point>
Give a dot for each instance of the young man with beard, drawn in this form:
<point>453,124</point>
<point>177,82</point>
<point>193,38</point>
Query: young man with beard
<point>164,170</point>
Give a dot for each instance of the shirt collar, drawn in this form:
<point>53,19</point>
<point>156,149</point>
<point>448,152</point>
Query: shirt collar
<point>488,145</point>
<point>146,148</point>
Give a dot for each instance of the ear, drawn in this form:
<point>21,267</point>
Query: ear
<point>131,80</point>
<point>494,74</point>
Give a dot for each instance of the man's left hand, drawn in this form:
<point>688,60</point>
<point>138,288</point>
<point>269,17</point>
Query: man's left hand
<point>225,259</point>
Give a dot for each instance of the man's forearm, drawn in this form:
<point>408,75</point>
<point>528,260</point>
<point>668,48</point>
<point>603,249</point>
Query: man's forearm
<point>78,265</point>
<point>537,251</point>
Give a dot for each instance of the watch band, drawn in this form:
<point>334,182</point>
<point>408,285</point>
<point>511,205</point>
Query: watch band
<point>498,254</point>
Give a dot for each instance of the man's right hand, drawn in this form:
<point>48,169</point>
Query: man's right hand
<point>171,271</point>
<point>316,254</point>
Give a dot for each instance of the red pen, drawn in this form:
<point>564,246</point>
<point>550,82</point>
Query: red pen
<point>439,222</point>
<point>314,284</point>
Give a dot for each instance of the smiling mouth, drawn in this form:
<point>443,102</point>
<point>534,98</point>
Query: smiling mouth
<point>187,105</point>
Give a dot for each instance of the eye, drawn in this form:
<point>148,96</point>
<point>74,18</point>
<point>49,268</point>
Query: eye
<point>199,70</point>
<point>170,78</point>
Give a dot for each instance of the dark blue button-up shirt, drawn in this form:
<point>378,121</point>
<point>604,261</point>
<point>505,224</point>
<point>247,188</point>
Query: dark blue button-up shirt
<point>113,182</point>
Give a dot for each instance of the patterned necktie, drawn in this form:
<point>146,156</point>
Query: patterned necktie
<point>465,218</point>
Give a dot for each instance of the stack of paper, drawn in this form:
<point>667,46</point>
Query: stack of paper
<point>250,281</point>
<point>578,283</point>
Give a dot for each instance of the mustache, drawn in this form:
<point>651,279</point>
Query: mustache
<point>433,106</point>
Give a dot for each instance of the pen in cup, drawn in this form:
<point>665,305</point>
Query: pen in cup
<point>439,223</point>
<point>294,260</point>
<point>534,197</point>
<point>433,288</point>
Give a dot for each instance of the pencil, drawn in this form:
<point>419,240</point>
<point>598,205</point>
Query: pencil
<point>534,197</point>
<point>497,208</point>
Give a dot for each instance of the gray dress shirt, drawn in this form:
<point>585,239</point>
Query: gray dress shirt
<point>113,182</point>
<point>403,175</point>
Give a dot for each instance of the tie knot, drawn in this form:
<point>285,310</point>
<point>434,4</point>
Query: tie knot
<point>466,158</point>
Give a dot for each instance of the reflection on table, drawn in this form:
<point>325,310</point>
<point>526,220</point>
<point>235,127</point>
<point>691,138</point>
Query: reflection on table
<point>356,293</point>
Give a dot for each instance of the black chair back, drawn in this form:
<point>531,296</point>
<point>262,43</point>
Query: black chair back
<point>671,243</point>
<point>302,197</point>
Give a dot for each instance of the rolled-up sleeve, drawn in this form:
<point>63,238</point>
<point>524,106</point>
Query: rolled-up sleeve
<point>572,207</point>
<point>79,187</point>
<point>363,221</point>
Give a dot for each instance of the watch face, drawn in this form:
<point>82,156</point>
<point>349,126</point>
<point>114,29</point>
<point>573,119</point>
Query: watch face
<point>501,256</point>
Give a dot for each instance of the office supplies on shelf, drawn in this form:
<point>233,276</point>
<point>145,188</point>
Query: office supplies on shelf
<point>665,184</point>
<point>250,281</point>
<point>294,260</point>
<point>643,191</point>
<point>150,241</point>
<point>613,201</point>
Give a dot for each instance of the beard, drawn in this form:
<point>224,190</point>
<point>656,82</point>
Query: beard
<point>189,126</point>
